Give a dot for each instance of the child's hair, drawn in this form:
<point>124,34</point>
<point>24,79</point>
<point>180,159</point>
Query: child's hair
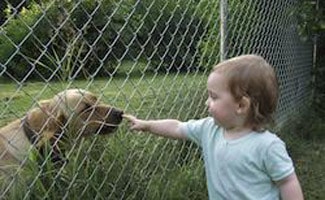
<point>252,77</point>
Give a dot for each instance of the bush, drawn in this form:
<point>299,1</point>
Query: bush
<point>16,38</point>
<point>169,32</point>
<point>67,39</point>
<point>209,45</point>
<point>63,38</point>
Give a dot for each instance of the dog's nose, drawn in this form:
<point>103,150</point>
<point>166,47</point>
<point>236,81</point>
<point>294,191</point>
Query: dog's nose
<point>118,114</point>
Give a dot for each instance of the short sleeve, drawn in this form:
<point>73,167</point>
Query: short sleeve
<point>277,161</point>
<point>194,129</point>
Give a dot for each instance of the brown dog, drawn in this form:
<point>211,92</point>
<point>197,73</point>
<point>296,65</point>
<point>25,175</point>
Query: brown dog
<point>70,114</point>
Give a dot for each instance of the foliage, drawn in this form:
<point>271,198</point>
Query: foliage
<point>105,32</point>
<point>241,29</point>
<point>169,32</point>
<point>304,138</point>
<point>311,26</point>
<point>15,34</point>
<point>310,17</point>
<point>54,31</point>
<point>209,44</point>
<point>171,35</point>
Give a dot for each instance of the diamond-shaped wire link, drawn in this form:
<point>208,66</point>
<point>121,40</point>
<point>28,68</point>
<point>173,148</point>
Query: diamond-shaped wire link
<point>150,58</point>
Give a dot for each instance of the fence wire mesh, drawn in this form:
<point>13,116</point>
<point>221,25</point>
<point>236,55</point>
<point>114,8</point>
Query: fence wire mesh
<point>150,58</point>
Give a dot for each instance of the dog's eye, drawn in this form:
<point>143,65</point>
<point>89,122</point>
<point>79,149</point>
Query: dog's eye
<point>86,107</point>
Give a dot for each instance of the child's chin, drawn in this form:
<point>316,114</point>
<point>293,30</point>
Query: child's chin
<point>216,122</point>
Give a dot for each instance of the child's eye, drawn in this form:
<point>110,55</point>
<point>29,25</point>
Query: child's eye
<point>213,97</point>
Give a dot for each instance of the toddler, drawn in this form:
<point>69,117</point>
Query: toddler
<point>242,159</point>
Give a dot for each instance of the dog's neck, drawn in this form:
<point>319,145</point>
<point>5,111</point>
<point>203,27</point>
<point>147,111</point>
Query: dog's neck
<point>29,132</point>
<point>45,141</point>
<point>15,143</point>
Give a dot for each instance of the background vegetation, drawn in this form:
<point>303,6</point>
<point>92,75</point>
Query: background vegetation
<point>88,38</point>
<point>93,36</point>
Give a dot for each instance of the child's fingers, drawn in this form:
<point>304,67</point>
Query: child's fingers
<point>128,117</point>
<point>132,120</point>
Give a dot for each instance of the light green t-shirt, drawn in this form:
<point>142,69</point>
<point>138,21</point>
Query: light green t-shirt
<point>244,168</point>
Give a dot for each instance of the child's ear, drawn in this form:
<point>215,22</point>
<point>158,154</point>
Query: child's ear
<point>244,105</point>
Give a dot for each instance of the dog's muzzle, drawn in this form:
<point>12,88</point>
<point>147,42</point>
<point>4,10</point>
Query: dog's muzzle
<point>111,123</point>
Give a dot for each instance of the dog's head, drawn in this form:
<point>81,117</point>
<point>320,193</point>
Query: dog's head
<point>84,113</point>
<point>70,114</point>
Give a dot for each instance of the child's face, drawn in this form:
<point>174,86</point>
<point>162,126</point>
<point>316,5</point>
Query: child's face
<point>221,103</point>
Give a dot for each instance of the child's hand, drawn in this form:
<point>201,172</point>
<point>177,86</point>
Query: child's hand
<point>164,127</point>
<point>135,124</point>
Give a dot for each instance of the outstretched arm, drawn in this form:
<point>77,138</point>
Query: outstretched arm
<point>166,127</point>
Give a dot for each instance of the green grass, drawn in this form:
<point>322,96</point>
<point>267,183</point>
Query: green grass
<point>125,165</point>
<point>308,156</point>
<point>304,137</point>
<point>130,165</point>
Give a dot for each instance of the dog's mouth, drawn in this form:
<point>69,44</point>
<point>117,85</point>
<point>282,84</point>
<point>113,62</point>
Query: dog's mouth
<point>104,123</point>
<point>104,128</point>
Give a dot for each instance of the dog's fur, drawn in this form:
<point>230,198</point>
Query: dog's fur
<point>70,114</point>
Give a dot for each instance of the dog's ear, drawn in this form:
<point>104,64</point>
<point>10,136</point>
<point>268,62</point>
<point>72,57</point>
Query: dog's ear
<point>45,119</point>
<point>54,113</point>
<point>45,105</point>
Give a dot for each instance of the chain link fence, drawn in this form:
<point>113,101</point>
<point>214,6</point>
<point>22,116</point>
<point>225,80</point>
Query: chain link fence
<point>150,58</point>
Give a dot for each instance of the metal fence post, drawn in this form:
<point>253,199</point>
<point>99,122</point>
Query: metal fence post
<point>315,40</point>
<point>223,29</point>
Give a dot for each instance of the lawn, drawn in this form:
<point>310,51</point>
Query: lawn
<point>139,166</point>
<point>125,165</point>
